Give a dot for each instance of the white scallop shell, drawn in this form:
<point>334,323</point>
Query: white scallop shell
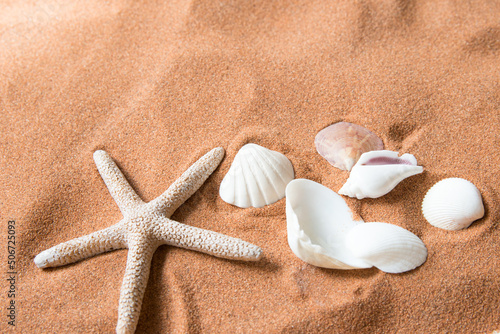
<point>318,221</point>
<point>377,172</point>
<point>452,204</point>
<point>341,144</point>
<point>257,177</point>
<point>390,248</point>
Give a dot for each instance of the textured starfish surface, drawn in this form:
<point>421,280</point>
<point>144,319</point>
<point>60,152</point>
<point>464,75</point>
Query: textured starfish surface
<point>144,227</point>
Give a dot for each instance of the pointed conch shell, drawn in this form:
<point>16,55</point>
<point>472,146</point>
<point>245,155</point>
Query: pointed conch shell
<point>318,221</point>
<point>452,204</point>
<point>322,232</point>
<point>341,144</point>
<point>377,172</point>
<point>257,177</point>
<point>388,247</point>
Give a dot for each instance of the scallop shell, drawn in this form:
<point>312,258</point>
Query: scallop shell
<point>257,177</point>
<point>341,144</point>
<point>453,204</point>
<point>377,172</point>
<point>318,221</point>
<point>390,248</point>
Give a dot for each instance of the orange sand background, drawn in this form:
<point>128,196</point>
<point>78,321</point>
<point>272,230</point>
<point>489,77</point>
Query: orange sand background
<point>159,83</point>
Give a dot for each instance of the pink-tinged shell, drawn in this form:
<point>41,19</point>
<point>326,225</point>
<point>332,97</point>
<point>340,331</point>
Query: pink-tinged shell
<point>341,144</point>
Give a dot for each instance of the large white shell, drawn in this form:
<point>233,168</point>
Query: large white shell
<point>452,204</point>
<point>390,248</point>
<point>341,144</point>
<point>257,177</point>
<point>377,172</point>
<point>318,221</point>
<point>322,232</point>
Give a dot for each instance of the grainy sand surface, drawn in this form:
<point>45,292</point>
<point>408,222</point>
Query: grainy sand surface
<point>159,83</point>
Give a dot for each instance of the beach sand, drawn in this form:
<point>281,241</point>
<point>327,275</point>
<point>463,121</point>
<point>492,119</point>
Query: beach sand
<point>158,84</point>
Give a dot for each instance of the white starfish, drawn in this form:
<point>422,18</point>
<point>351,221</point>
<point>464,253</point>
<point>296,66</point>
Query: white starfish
<point>144,227</point>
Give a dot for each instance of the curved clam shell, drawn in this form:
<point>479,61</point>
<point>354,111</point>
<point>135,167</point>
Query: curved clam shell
<point>257,177</point>
<point>390,248</point>
<point>453,204</point>
<point>341,144</point>
<point>377,172</point>
<point>318,221</point>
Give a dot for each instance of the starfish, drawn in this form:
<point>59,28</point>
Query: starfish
<point>144,227</point>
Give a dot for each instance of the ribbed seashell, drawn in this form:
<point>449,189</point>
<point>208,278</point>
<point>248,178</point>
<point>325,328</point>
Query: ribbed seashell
<point>390,248</point>
<point>341,144</point>
<point>257,177</point>
<point>453,204</point>
<point>377,172</point>
<point>318,221</point>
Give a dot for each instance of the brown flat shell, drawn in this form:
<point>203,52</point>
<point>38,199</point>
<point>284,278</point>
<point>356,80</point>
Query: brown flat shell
<point>341,144</point>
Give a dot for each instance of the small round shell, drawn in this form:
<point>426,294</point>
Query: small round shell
<point>388,247</point>
<point>341,144</point>
<point>452,204</point>
<point>257,177</point>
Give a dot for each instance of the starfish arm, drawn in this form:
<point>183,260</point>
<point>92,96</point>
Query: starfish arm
<point>118,186</point>
<point>188,183</point>
<point>81,248</point>
<point>173,233</point>
<point>133,286</point>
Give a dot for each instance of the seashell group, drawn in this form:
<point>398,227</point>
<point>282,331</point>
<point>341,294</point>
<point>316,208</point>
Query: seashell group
<point>377,172</point>
<point>453,204</point>
<point>321,229</point>
<point>257,177</point>
<point>342,144</point>
<point>322,232</point>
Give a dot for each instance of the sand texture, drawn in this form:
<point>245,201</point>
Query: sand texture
<point>157,84</point>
